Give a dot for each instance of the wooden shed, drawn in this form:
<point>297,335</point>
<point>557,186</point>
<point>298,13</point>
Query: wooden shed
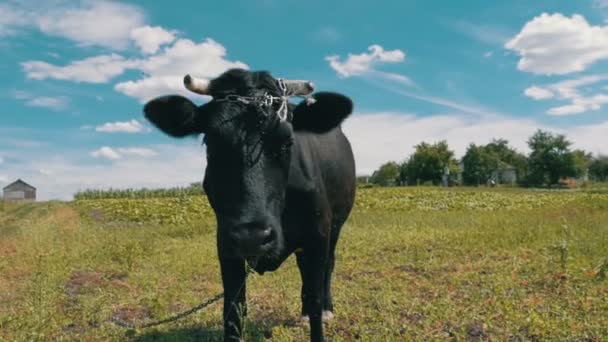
<point>19,191</point>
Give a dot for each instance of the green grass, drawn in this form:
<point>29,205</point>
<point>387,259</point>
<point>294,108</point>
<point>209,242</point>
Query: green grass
<point>450,265</point>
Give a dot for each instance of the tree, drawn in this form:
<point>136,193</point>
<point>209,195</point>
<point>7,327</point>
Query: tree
<point>598,168</point>
<point>550,159</point>
<point>476,166</point>
<point>428,163</point>
<point>386,175</point>
<point>582,161</point>
<point>480,161</point>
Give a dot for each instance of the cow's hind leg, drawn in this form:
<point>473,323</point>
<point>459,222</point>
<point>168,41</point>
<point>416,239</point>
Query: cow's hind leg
<point>328,304</point>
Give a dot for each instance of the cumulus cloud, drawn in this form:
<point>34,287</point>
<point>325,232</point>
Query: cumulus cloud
<point>83,23</point>
<point>50,102</point>
<point>10,19</point>
<point>54,103</point>
<point>133,126</point>
<point>162,73</point>
<point>538,93</point>
<point>98,69</point>
<point>150,39</point>
<point>78,21</point>
<point>570,90</point>
<point>359,64</point>
<point>109,153</point>
<point>1,160</point>
<point>106,153</point>
<point>147,88</point>
<point>554,44</point>
<point>165,71</point>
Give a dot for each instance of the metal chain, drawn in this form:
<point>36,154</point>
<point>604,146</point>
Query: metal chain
<point>144,324</point>
<point>141,325</point>
<point>268,100</point>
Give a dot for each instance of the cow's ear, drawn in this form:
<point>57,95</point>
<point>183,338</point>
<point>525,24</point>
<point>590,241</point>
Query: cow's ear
<point>176,115</point>
<point>322,114</point>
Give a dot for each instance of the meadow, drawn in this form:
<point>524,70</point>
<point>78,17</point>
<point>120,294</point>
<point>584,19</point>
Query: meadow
<point>413,264</point>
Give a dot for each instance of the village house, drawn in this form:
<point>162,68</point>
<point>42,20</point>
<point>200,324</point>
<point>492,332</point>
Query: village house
<point>19,191</point>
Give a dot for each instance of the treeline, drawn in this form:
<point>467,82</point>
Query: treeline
<point>192,189</point>
<point>550,161</point>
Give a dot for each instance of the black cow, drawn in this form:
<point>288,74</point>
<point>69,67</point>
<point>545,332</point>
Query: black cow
<point>280,178</point>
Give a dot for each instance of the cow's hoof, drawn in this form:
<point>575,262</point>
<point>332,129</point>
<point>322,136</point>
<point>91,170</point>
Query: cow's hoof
<point>327,316</point>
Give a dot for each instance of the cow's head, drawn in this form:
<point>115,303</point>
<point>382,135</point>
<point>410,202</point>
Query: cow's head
<point>249,138</point>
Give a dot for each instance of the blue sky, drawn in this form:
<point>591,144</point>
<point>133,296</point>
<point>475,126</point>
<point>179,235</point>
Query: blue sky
<point>74,76</point>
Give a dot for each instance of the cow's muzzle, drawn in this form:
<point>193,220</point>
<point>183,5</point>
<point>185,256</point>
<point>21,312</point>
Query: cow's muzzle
<point>252,239</point>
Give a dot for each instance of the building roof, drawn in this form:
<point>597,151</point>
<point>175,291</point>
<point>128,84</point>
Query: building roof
<point>502,166</point>
<point>18,181</point>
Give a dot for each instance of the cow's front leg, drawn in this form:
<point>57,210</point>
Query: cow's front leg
<point>235,308</point>
<point>313,268</point>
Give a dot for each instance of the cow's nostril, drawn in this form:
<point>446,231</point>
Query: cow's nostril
<point>269,236</point>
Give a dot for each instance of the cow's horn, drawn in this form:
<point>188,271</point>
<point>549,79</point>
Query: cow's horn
<point>299,88</point>
<point>196,85</point>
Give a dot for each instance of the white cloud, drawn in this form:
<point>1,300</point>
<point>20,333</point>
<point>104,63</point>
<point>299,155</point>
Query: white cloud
<point>580,105</point>
<point>10,18</point>
<point>107,153</point>
<point>101,23</point>
<point>488,54</point>
<point>359,64</point>
<point>162,73</point>
<point>554,44</point>
<point>45,172</point>
<point>54,103</point>
<point>1,160</point>
<point>3,179</point>
<point>150,39</point>
<point>50,102</point>
<point>132,126</point>
<point>538,93</point>
<point>570,90</point>
<point>78,21</point>
<point>98,69</point>
<point>165,71</point>
<point>150,87</point>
